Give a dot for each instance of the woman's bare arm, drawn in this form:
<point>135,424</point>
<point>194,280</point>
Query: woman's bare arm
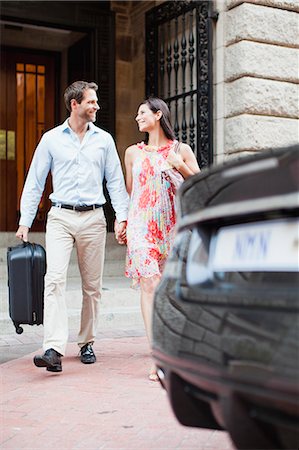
<point>184,161</point>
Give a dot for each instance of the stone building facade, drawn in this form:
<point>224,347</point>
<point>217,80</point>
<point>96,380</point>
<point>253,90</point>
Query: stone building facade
<point>256,75</point>
<point>255,64</point>
<point>252,68</point>
<point>130,67</point>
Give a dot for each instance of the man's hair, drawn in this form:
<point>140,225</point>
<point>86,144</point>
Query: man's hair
<point>76,91</point>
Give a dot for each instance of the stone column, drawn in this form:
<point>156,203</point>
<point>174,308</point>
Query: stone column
<point>130,68</point>
<point>257,98</point>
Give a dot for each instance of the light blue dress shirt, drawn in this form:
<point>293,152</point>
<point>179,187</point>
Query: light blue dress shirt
<point>78,170</point>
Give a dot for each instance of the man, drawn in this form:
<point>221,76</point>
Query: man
<point>79,156</point>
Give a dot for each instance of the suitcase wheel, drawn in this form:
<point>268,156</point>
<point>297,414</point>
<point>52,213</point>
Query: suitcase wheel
<point>19,330</point>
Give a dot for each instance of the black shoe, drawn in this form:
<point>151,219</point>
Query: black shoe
<point>51,359</point>
<point>87,354</point>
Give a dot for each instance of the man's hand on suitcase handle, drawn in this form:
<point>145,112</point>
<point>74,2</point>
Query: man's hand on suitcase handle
<point>22,233</point>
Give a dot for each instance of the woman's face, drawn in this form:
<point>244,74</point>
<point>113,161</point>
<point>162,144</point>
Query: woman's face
<point>146,119</point>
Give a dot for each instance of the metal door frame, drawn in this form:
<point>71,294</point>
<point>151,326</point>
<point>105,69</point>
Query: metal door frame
<point>204,15</point>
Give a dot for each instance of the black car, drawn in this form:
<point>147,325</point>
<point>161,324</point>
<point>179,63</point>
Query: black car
<point>225,321</point>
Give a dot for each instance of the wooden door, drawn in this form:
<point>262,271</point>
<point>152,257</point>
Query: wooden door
<point>27,105</point>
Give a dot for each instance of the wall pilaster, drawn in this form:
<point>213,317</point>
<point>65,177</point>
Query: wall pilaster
<point>256,76</point>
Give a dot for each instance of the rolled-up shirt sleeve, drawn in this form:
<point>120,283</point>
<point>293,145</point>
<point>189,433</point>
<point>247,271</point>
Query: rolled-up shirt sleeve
<point>35,182</point>
<point>115,182</point>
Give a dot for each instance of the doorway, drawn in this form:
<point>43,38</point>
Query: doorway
<point>27,107</point>
<point>82,35</point>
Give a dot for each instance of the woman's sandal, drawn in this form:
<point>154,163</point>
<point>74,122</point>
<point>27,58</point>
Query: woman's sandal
<point>153,376</point>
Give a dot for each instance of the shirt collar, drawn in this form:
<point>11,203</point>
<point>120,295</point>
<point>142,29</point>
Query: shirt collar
<point>91,126</point>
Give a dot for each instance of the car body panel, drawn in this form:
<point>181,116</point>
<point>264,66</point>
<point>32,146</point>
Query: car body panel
<point>226,339</point>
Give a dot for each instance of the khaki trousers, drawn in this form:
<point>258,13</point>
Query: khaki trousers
<point>88,231</point>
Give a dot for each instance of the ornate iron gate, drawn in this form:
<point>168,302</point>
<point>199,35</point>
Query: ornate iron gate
<point>179,69</point>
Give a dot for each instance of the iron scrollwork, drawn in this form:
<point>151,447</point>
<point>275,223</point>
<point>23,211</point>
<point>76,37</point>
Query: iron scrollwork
<point>179,69</point>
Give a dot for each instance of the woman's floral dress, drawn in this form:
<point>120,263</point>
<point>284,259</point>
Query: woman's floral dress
<point>152,217</point>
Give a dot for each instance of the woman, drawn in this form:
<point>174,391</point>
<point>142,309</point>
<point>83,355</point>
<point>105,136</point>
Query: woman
<point>151,219</point>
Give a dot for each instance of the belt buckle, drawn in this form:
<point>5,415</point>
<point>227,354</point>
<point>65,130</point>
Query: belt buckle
<point>80,208</point>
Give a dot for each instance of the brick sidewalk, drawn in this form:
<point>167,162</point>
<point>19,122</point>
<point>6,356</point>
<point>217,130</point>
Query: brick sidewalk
<point>14,345</point>
<point>107,405</point>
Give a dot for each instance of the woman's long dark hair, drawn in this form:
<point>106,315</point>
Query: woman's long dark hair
<point>156,104</point>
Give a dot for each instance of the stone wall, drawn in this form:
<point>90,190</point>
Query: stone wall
<point>130,67</point>
<point>256,75</point>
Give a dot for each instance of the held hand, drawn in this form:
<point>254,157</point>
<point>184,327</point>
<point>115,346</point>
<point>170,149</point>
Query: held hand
<point>22,233</point>
<point>120,232</point>
<point>174,159</point>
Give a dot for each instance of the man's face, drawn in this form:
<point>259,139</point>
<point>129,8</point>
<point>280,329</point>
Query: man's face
<point>87,109</point>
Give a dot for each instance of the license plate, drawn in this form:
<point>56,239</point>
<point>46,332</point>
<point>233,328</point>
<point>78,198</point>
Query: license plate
<point>270,246</point>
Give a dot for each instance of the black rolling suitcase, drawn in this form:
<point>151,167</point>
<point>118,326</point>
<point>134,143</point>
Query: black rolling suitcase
<point>26,264</point>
